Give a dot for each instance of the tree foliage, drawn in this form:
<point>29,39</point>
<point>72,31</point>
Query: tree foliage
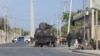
<point>66,16</point>
<point>4,24</point>
<point>54,30</point>
<point>25,33</point>
<point>20,30</point>
<point>65,20</point>
<point>6,27</point>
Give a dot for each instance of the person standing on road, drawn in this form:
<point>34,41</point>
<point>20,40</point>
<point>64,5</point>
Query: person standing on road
<point>80,40</point>
<point>69,38</point>
<point>62,40</point>
<point>31,38</point>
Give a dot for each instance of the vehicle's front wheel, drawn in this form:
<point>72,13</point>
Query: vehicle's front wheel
<point>27,41</point>
<point>13,41</point>
<point>54,44</point>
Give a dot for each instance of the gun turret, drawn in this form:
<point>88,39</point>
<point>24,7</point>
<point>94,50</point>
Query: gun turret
<point>45,26</point>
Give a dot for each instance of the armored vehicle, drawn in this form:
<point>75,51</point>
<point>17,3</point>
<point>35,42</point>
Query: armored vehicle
<point>44,35</point>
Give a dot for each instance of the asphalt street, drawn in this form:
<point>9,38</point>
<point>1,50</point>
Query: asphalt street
<point>22,49</point>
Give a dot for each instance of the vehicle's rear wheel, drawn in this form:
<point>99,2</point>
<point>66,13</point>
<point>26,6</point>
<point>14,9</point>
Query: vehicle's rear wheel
<point>41,45</point>
<point>48,44</point>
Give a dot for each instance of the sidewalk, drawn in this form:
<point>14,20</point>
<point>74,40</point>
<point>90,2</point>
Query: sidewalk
<point>93,52</point>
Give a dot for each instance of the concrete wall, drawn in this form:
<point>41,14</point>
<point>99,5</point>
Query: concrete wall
<point>5,37</point>
<point>97,32</point>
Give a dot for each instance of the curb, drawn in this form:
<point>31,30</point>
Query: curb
<point>85,52</point>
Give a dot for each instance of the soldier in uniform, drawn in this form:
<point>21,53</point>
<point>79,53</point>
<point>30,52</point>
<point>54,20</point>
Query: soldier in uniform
<point>69,38</point>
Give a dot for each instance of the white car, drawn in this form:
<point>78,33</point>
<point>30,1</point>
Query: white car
<point>27,40</point>
<point>14,40</point>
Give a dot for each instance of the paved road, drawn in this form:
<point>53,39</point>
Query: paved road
<point>25,50</point>
<point>14,45</point>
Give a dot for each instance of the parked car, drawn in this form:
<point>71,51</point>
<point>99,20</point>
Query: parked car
<point>18,39</point>
<point>27,40</point>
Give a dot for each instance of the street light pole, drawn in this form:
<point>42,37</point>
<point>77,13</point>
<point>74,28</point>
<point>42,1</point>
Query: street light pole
<point>31,19</point>
<point>69,16</point>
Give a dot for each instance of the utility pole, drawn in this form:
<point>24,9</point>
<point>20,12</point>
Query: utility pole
<point>13,29</point>
<point>84,9</point>
<point>60,24</point>
<point>92,20</point>
<point>31,19</point>
<point>58,39</point>
<point>60,17</point>
<point>65,3</point>
<point>60,28</point>
<point>5,18</point>
<point>97,30</point>
<point>92,23</point>
<point>69,21</point>
<point>20,31</point>
<point>64,10</point>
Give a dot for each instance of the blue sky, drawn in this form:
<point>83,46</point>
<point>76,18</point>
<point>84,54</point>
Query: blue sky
<point>45,11</point>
